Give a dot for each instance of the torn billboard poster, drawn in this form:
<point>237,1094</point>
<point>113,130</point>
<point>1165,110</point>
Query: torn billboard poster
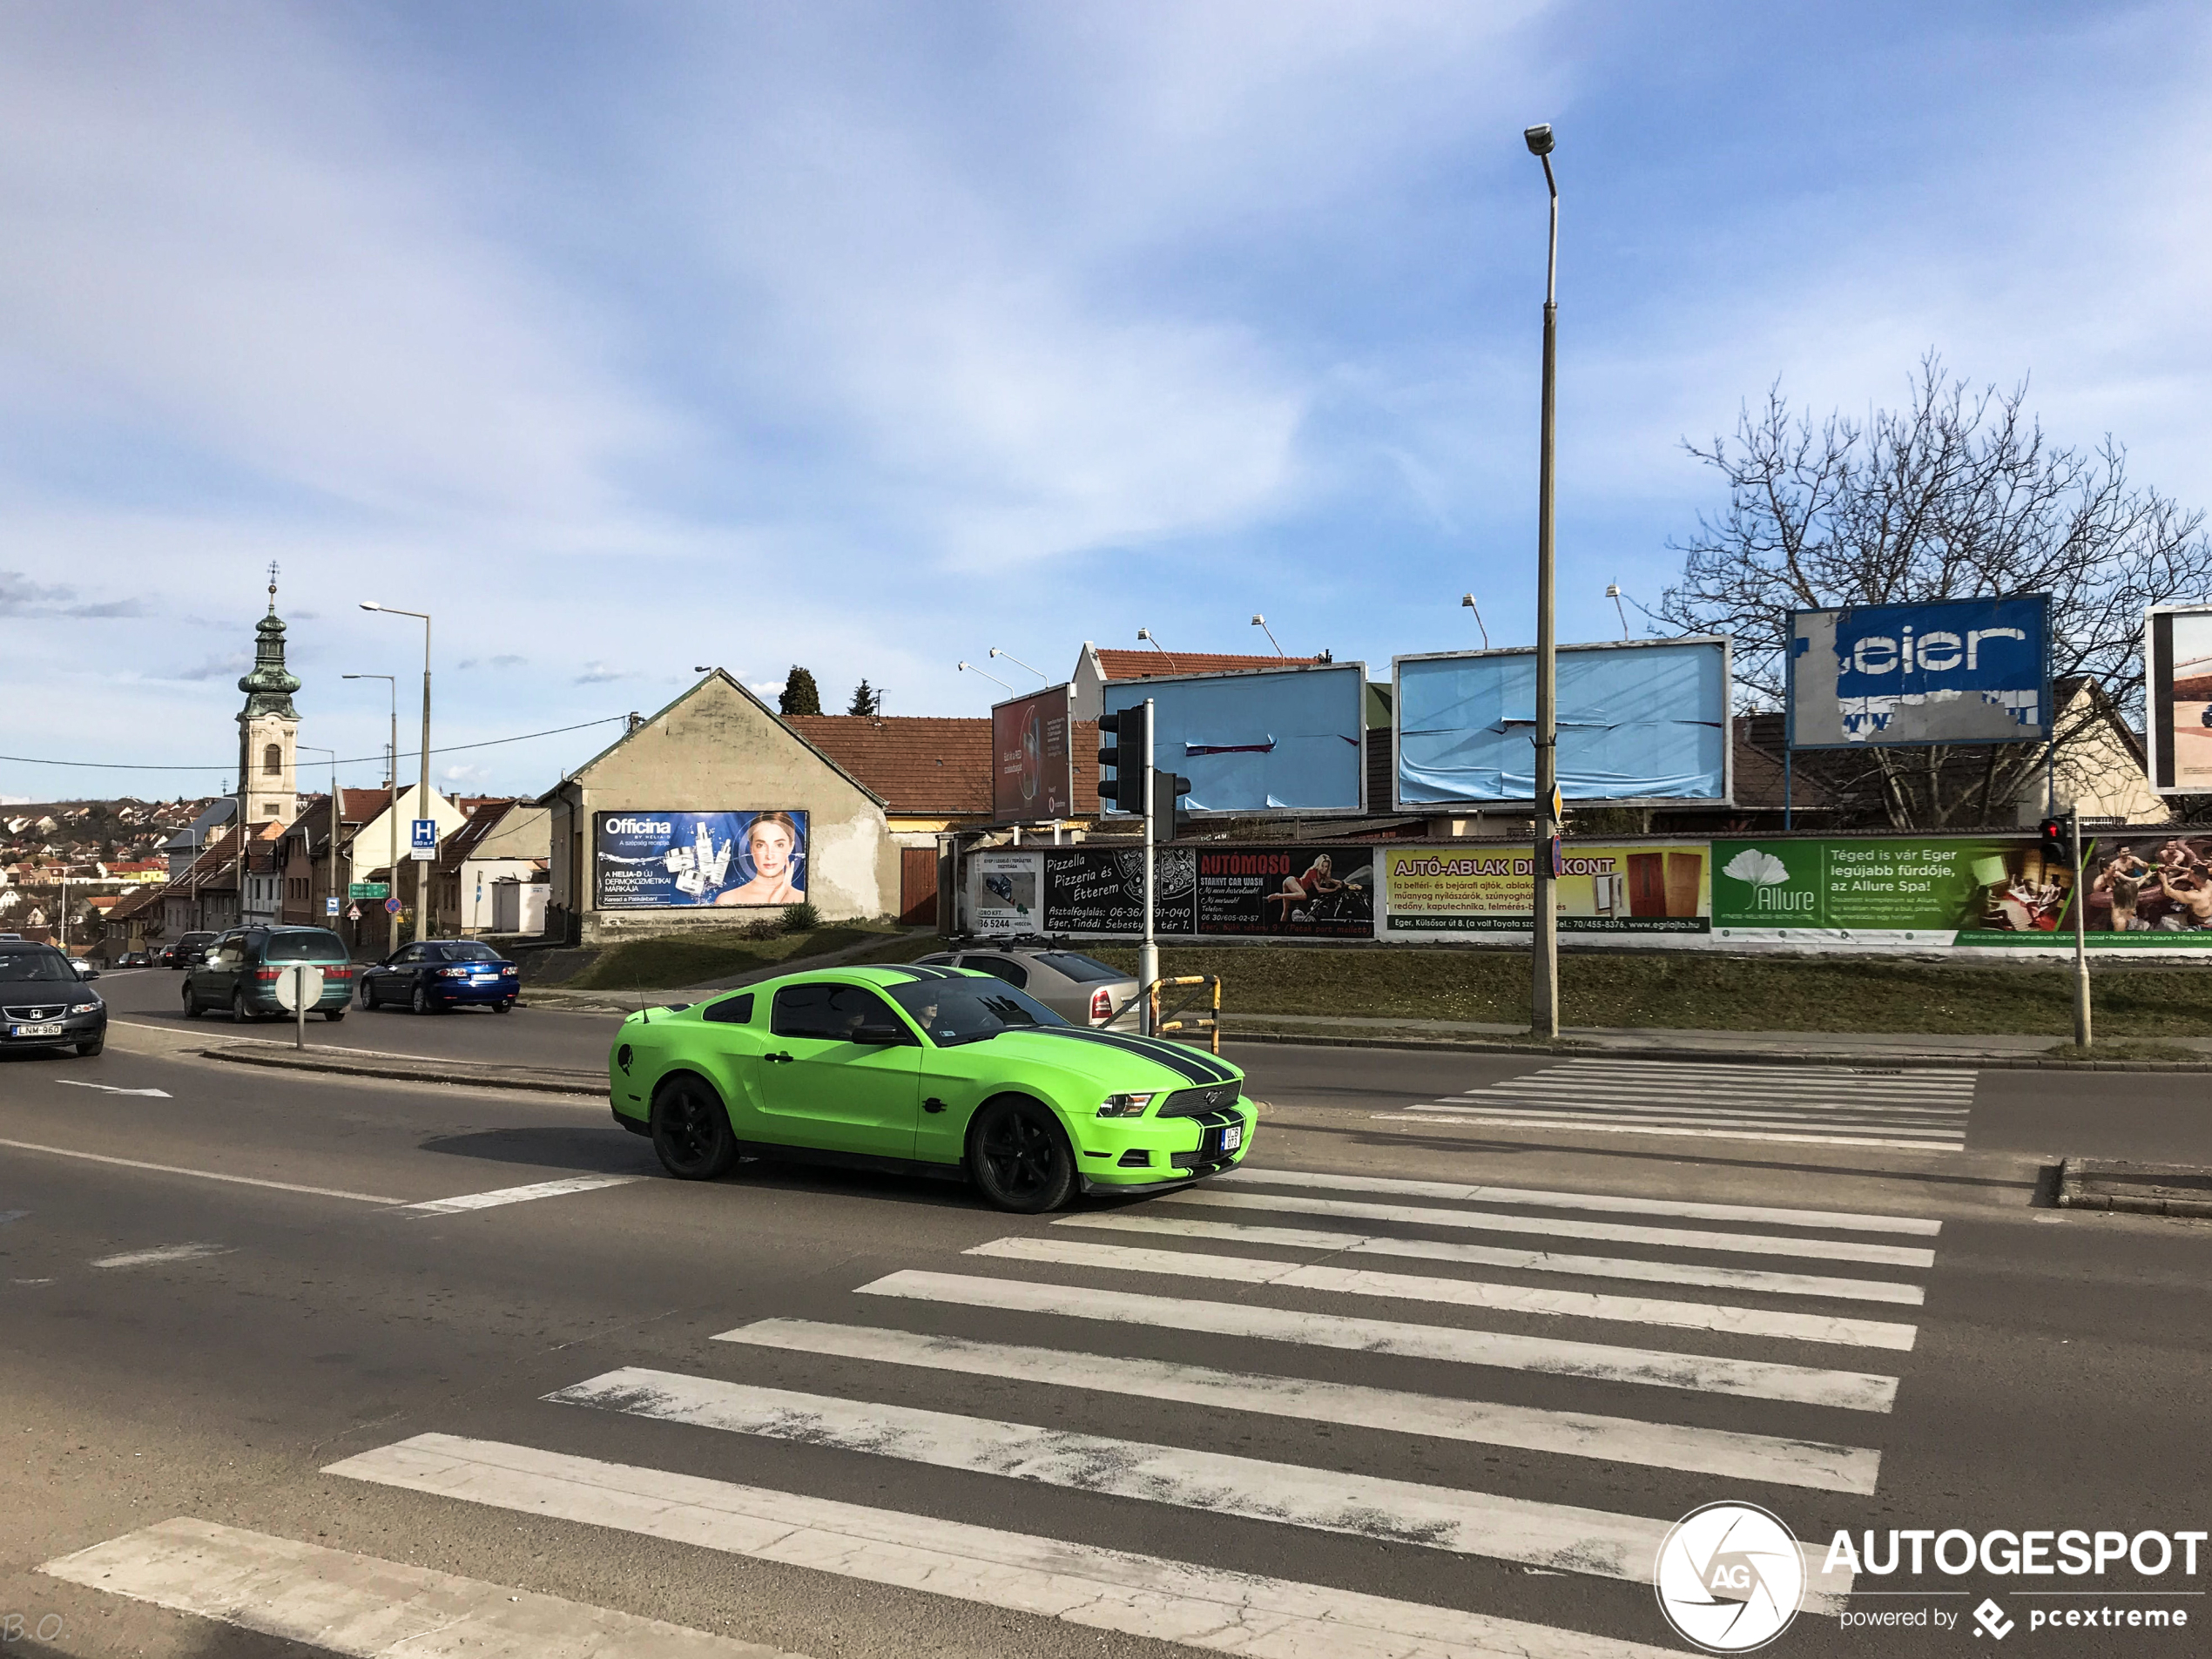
<point>1948,671</point>
<point>2177,710</point>
<point>1640,722</point>
<point>1274,740</point>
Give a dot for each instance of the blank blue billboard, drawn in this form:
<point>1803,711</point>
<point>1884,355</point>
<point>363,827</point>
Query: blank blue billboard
<point>1275,740</point>
<point>1640,723</point>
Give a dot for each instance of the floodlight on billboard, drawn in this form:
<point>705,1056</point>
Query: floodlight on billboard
<point>1273,740</point>
<point>1640,723</point>
<point>2177,703</point>
<point>1033,760</point>
<point>1948,671</point>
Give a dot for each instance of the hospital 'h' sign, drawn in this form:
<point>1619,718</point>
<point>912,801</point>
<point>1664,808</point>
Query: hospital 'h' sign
<point>1949,671</point>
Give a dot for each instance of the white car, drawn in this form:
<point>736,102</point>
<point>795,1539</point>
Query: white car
<point>1079,988</point>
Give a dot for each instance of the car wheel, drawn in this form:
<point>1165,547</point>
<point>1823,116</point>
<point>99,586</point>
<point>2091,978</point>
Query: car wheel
<point>1019,1157</point>
<point>192,1004</point>
<point>240,1014</point>
<point>87,1050</point>
<point>692,1130</point>
<point>334,1015</point>
<point>502,1005</point>
<point>421,1000</point>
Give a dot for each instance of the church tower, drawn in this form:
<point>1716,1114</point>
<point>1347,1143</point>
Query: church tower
<point>269,728</point>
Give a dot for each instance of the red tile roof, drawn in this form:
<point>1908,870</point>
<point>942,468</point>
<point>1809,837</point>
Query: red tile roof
<point>929,764</point>
<point>1150,664</point>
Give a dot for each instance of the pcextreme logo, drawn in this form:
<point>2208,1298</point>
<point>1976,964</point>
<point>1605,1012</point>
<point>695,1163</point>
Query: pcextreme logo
<point>1729,1577</point>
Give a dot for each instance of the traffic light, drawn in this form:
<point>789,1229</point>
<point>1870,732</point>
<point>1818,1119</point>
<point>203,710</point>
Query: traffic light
<point>1167,791</point>
<point>1121,752</point>
<point>2057,847</point>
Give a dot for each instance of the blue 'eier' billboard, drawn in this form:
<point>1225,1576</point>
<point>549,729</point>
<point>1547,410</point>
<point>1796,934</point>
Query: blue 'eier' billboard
<point>1948,671</point>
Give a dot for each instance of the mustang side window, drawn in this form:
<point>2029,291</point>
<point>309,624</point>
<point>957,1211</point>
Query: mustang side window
<point>731,1010</point>
<point>803,1011</point>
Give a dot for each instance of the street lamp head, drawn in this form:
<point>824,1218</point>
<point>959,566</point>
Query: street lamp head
<point>1467,601</point>
<point>1538,139</point>
<point>370,604</point>
<point>1145,633</point>
<point>1612,590</point>
<point>1259,621</point>
<point>963,668</point>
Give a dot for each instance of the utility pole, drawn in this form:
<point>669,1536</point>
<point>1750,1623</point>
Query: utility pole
<point>2082,1032</point>
<point>1148,953</point>
<point>1544,935</point>
<point>422,893</point>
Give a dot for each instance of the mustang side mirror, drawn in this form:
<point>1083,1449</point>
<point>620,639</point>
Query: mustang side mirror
<point>882,1036</point>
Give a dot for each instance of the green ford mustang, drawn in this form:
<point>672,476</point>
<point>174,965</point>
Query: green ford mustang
<point>931,1069</point>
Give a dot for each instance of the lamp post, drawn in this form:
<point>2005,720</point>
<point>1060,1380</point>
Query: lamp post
<point>424,896</point>
<point>1018,663</point>
<point>1544,934</point>
<point>970,668</point>
<point>333,883</point>
<point>1260,623</point>
<point>391,811</point>
<point>1467,602</point>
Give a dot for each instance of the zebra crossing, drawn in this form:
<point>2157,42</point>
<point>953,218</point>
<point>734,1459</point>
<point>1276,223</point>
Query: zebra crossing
<point>1009,1360</point>
<point>1925,1110</point>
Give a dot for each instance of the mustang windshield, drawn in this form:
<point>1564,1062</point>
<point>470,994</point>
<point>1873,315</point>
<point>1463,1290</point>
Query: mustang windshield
<point>966,1010</point>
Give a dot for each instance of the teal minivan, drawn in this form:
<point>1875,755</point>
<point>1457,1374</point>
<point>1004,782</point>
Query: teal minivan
<point>242,967</point>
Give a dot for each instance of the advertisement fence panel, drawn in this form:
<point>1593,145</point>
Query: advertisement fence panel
<point>1644,722</point>
<point>1003,892</point>
<point>1101,890</point>
<point>1907,890</point>
<point>1645,888</point>
<point>1033,766</point>
<point>1951,671</point>
<point>2177,661</point>
<point>662,860</point>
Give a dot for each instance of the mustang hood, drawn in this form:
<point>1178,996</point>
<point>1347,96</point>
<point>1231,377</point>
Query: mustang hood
<point>1117,1059</point>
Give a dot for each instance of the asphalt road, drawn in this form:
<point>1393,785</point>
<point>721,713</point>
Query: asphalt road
<point>224,1311</point>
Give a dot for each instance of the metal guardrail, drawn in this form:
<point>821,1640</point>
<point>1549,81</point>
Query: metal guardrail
<point>1187,1014</point>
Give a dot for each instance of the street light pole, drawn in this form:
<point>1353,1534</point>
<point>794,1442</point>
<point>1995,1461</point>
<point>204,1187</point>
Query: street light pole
<point>1544,988</point>
<point>424,897</point>
<point>391,813</point>
<point>332,881</point>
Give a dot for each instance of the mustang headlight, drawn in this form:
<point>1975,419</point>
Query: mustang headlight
<point>1125,1105</point>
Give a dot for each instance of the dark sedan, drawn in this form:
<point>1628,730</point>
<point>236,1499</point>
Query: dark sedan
<point>440,974</point>
<point>43,1004</point>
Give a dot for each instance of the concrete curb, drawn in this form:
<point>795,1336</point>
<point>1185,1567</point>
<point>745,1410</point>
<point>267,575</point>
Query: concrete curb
<point>2075,1176</point>
<point>1582,1049</point>
<point>540,1081</point>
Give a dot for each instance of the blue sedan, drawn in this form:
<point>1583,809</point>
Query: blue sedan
<point>435,975</point>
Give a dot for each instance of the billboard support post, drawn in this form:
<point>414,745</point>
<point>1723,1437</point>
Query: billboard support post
<point>1148,953</point>
<point>1544,989</point>
<point>2081,1036</point>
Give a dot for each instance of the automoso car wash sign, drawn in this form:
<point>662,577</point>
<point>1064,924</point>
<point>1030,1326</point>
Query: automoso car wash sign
<point>1644,889</point>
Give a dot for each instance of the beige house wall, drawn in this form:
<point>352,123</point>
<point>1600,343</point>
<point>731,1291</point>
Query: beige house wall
<point>2101,770</point>
<point>716,749</point>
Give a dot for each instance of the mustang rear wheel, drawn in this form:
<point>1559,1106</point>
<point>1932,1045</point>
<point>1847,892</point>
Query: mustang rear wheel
<point>1019,1156</point>
<point>692,1130</point>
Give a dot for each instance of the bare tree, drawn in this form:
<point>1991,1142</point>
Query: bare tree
<point>1958,495</point>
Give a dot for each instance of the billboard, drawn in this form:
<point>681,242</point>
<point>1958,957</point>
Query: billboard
<point>1275,740</point>
<point>1033,763</point>
<point>663,860</point>
<point>1924,890</point>
<point>1101,890</point>
<point>1002,892</point>
<point>2155,891</point>
<point>1272,891</point>
<point>1638,889</point>
<point>1640,723</point>
<point>1950,670</point>
<point>2177,706</point>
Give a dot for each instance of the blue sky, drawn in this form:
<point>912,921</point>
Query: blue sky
<point>629,338</point>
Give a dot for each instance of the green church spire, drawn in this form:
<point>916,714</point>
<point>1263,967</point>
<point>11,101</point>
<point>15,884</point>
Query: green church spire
<point>269,687</point>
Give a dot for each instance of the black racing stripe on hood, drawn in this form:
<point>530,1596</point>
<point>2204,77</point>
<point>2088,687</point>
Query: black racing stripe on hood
<point>1183,1062</point>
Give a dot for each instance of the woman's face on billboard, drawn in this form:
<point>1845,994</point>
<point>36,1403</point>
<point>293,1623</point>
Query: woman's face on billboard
<point>770,845</point>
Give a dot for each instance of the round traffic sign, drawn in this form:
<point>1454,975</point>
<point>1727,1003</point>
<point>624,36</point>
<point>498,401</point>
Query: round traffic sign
<point>391,907</point>
<point>299,986</point>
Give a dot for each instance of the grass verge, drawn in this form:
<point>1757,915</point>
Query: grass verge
<point>692,959</point>
<point>1699,993</point>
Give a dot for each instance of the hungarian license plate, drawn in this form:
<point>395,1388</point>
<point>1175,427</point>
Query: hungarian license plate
<point>1232,1137</point>
<point>52,1029</point>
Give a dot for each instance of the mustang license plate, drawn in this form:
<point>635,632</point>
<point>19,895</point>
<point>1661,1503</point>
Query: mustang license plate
<point>1232,1137</point>
<point>52,1029</point>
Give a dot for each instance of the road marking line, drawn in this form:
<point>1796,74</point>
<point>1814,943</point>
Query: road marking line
<point>163,1253</point>
<point>1105,1589</point>
<point>200,1174</point>
<point>1533,1261</point>
<point>337,1602</point>
<point>1671,1101</point>
<point>1456,1293</point>
<point>110,1089</point>
<point>6,1216</point>
<point>498,1196</point>
<point>1750,1066</point>
<point>1562,1537</point>
<point>1835,1220</point>
<point>1471,1120</point>
<point>1698,1118</point>
<point>1618,1233</point>
<point>1856,1391</point>
<point>1620,1439</point>
<point>1789,1082</point>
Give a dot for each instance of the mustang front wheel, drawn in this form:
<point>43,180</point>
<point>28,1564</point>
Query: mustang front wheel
<point>1018,1156</point>
<point>692,1130</point>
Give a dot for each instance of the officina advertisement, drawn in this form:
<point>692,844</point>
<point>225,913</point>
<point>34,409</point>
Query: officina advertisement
<point>665,860</point>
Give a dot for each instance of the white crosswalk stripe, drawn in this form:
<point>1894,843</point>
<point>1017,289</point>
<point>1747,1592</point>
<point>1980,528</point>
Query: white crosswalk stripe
<point>1925,1110</point>
<point>1289,1284</point>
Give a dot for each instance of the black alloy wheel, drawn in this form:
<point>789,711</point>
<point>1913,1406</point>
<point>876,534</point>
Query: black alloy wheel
<point>502,1005</point>
<point>1019,1156</point>
<point>192,1003</point>
<point>240,1013</point>
<point>692,1130</point>
<point>421,999</point>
